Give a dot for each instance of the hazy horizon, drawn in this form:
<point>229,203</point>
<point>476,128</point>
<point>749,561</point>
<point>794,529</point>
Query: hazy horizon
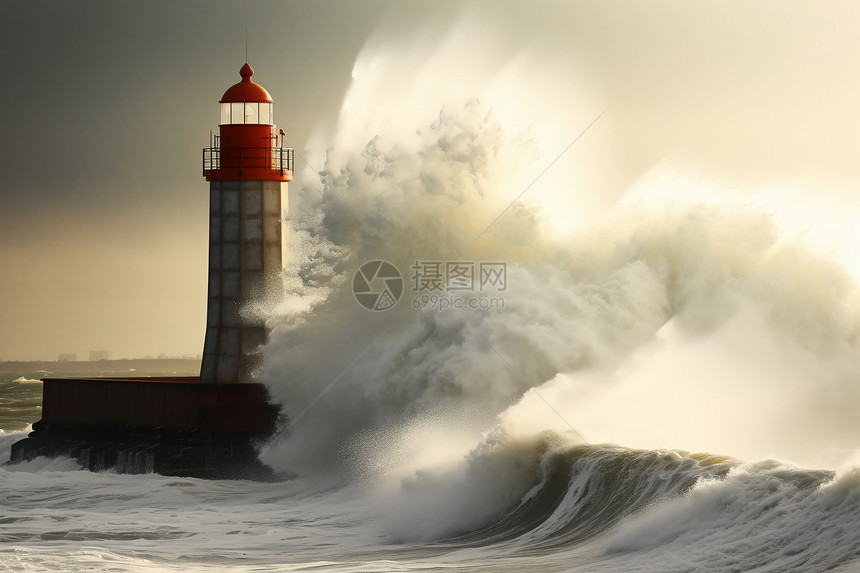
<point>60,359</point>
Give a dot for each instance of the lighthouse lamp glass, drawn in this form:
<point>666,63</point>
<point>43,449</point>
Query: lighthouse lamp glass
<point>247,112</point>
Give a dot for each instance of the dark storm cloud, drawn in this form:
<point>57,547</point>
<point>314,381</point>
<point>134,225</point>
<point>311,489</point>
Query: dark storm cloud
<point>105,100</point>
<point>106,106</point>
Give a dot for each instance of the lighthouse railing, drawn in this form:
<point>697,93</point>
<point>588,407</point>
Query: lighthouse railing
<point>275,158</point>
<point>211,159</point>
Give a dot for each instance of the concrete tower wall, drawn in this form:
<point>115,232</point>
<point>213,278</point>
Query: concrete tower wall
<point>246,259</point>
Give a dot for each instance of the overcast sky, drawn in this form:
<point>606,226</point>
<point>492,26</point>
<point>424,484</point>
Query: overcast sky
<point>106,106</point>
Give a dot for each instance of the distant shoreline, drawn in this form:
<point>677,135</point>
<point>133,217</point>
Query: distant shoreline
<point>178,365</point>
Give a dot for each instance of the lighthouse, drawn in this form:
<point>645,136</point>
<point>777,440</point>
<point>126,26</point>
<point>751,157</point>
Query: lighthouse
<point>247,168</point>
<point>209,425</point>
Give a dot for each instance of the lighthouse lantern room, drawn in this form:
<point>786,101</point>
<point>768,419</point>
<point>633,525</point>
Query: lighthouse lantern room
<point>248,169</point>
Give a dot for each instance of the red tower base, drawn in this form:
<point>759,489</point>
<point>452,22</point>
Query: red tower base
<point>171,426</point>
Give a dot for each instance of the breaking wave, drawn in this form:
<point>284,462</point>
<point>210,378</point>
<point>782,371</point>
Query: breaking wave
<point>681,317</point>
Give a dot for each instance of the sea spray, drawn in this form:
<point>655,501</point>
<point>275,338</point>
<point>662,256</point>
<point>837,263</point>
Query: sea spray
<point>682,318</point>
<point>683,268</point>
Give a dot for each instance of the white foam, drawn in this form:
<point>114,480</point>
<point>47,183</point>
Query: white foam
<point>761,506</point>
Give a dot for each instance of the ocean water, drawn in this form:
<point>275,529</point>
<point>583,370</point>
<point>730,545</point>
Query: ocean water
<point>582,508</point>
<point>668,383</point>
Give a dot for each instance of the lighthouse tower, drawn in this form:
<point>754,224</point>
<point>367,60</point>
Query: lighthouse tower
<point>248,169</point>
<point>208,425</point>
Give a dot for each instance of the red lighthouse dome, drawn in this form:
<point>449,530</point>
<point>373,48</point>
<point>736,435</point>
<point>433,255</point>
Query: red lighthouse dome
<point>248,146</point>
<point>246,90</point>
